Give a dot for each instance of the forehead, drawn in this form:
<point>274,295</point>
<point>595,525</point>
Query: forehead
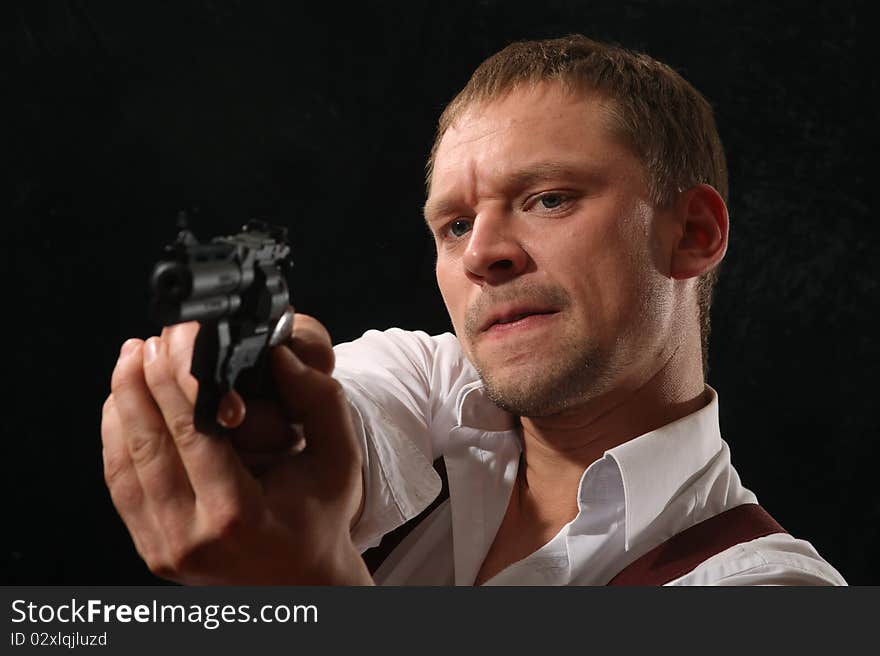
<point>538,125</point>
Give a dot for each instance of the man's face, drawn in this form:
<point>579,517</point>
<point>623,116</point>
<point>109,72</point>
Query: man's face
<point>548,253</point>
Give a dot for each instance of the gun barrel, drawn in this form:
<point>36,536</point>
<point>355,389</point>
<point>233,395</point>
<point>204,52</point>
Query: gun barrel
<point>174,281</point>
<point>199,309</point>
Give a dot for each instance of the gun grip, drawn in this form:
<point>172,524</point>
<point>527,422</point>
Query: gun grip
<point>256,381</point>
<point>209,352</point>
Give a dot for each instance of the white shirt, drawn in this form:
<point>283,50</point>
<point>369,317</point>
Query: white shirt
<point>415,397</point>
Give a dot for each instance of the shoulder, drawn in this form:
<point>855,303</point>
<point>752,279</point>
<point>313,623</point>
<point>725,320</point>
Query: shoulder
<point>407,378</point>
<point>778,559</point>
<point>415,348</point>
<point>412,362</point>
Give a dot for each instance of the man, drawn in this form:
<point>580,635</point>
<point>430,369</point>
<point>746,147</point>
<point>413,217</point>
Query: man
<point>576,194</point>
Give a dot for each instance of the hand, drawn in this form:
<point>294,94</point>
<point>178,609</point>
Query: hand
<point>194,510</point>
<point>260,432</point>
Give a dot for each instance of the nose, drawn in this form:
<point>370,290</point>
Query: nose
<point>494,254</point>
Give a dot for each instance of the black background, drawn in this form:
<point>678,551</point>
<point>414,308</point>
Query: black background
<point>320,117</point>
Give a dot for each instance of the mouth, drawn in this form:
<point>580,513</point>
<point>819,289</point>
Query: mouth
<point>506,318</point>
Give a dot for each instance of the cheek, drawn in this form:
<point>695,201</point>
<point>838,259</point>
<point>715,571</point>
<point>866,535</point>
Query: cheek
<point>451,291</point>
<point>605,264</point>
<point>636,293</point>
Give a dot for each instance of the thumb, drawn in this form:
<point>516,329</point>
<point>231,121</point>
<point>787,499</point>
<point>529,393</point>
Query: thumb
<point>312,344</point>
<point>317,401</point>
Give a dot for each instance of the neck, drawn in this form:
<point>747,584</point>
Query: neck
<point>558,448</point>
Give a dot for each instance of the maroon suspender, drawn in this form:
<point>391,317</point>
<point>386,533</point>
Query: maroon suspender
<point>685,551</point>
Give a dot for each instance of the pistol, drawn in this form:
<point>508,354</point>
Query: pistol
<point>236,288</point>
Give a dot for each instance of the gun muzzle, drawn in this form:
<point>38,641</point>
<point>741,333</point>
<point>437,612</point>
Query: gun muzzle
<point>174,280</point>
<point>201,291</point>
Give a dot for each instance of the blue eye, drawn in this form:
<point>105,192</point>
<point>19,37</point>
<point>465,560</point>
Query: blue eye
<point>459,227</point>
<point>551,201</point>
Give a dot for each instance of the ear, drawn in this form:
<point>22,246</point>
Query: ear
<point>702,240</point>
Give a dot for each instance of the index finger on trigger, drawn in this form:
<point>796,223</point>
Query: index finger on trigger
<point>312,344</point>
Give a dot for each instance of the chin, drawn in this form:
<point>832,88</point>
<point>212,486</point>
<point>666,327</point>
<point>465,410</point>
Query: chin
<point>555,386</point>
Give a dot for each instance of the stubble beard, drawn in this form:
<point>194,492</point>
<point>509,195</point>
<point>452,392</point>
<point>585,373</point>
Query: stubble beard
<point>572,371</point>
<point>575,374</point>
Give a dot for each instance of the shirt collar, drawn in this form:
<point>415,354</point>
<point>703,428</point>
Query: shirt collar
<point>653,467</point>
<point>474,409</point>
<point>656,466</point>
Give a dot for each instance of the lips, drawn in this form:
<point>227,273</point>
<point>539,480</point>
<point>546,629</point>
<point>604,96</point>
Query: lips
<point>510,314</point>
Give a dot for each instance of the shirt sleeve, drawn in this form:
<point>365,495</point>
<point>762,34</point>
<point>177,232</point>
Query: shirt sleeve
<point>401,388</point>
<point>777,559</point>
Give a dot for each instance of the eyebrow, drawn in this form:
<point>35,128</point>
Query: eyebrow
<point>436,208</point>
<point>548,171</point>
<point>520,179</point>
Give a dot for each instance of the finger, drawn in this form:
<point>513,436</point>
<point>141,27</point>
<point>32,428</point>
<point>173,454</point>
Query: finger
<point>214,471</point>
<point>265,429</point>
<point>180,340</point>
<point>142,429</point>
<point>318,402</point>
<point>122,482</point>
<point>312,344</point>
<point>269,429</point>
<point>232,410</point>
<point>310,341</point>
<point>259,463</point>
<point>119,473</point>
<point>170,495</point>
